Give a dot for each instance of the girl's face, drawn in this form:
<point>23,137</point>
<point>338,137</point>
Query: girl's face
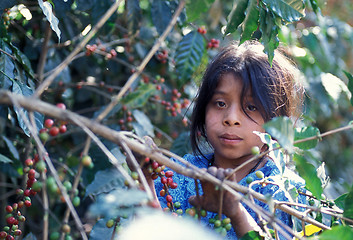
<point>229,130</point>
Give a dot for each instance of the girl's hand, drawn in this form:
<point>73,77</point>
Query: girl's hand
<point>241,220</point>
<point>211,199</point>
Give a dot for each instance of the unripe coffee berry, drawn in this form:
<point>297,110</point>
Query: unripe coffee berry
<point>259,174</point>
<point>255,150</point>
<point>86,161</point>
<point>110,223</point>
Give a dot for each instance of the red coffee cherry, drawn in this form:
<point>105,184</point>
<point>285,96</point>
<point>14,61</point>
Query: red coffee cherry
<point>48,123</point>
<point>54,131</point>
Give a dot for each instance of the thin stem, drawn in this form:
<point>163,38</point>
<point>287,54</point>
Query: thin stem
<point>46,83</point>
<point>44,52</point>
<point>143,64</point>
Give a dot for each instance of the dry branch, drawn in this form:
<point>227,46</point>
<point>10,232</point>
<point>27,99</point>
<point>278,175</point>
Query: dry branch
<point>36,105</point>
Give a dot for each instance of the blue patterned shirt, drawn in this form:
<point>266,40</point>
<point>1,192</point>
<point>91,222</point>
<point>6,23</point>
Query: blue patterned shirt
<point>186,189</point>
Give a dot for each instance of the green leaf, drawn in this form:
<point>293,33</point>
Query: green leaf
<point>340,201</point>
<point>236,16</point>
<point>144,121</point>
<point>139,97</point>
<point>30,236</point>
<point>161,15</point>
<point>181,145</point>
<point>194,8</point>
<point>134,15</point>
<point>188,55</point>
<point>48,12</point>
<point>350,84</point>
<point>251,21</point>
<point>118,202</point>
<point>100,229</point>
<point>281,128</point>
<point>22,89</point>
<point>12,148</point>
<point>337,232</point>
<point>306,132</point>
<point>252,235</point>
<point>348,205</point>
<point>7,67</point>
<point>4,159</point>
<point>269,30</point>
<point>308,172</point>
<point>315,6</point>
<point>288,10</point>
<point>105,181</point>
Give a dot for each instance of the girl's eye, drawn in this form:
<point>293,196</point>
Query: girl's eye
<point>251,108</point>
<point>220,104</point>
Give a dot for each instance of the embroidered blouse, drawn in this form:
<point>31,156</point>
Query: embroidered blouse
<point>186,188</point>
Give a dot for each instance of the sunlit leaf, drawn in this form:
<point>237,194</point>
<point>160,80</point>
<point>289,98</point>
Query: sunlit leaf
<point>306,132</point>
<point>195,7</point>
<point>281,129</point>
<point>308,172</point>
<point>188,55</point>
<point>49,14</point>
<point>337,232</point>
<point>251,235</point>
<point>251,21</point>
<point>289,10</point>
<point>236,16</point>
<point>350,84</point>
<point>348,205</point>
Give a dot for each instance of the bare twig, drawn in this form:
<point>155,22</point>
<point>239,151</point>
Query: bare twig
<point>190,170</point>
<point>42,154</point>
<point>44,52</point>
<point>143,64</point>
<point>46,83</point>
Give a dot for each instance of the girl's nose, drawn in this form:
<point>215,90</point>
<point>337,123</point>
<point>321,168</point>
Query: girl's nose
<point>232,117</point>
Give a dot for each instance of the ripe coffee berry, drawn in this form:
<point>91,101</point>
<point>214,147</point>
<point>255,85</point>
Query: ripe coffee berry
<point>11,220</point>
<point>29,162</point>
<point>54,131</point>
<point>28,203</point>
<point>48,123</point>
<point>169,198</point>
<point>9,209</point>
<point>63,128</point>
<point>61,105</point>
<point>169,174</point>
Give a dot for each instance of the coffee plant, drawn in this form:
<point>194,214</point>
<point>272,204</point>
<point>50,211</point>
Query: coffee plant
<point>83,82</point>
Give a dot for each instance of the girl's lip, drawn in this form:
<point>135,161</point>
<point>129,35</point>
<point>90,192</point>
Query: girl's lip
<point>230,139</point>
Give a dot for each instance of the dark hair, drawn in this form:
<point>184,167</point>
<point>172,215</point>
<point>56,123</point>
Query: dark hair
<point>273,88</point>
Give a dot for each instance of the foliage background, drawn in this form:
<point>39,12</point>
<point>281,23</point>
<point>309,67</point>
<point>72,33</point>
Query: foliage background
<point>320,43</point>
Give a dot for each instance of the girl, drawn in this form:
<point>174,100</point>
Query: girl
<point>240,91</point>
